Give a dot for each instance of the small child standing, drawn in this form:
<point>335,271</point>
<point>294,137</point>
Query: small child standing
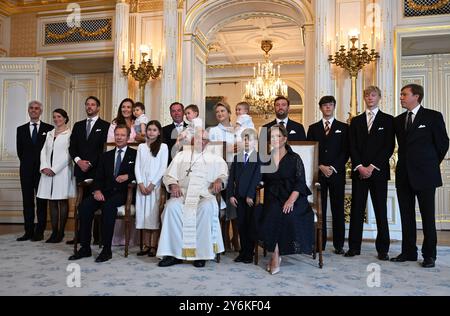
<point>245,175</point>
<point>141,119</point>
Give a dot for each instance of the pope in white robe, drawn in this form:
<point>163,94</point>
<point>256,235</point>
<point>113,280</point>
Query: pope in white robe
<point>190,220</point>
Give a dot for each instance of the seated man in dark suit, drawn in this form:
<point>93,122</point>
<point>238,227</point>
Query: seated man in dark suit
<point>332,136</point>
<point>422,145</point>
<point>295,130</point>
<point>114,172</point>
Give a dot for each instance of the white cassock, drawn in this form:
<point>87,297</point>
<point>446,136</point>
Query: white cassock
<point>190,224</point>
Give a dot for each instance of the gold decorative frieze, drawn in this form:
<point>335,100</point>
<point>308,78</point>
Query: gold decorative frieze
<point>80,31</point>
<point>223,66</point>
<point>150,5</point>
<point>413,4</point>
<point>19,67</point>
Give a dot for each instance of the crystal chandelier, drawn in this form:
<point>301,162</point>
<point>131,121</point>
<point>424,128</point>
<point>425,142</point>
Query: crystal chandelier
<point>265,86</point>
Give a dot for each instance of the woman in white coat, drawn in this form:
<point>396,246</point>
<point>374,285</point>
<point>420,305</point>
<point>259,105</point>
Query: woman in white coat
<point>57,183</point>
<point>151,163</point>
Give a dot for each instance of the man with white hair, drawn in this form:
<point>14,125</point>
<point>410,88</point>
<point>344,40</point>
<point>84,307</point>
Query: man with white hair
<point>190,221</point>
<point>30,139</point>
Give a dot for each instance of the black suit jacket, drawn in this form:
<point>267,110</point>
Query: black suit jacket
<point>295,130</point>
<point>421,149</point>
<point>243,179</point>
<point>90,149</point>
<point>170,139</point>
<point>105,180</point>
<point>30,154</point>
<point>333,148</point>
<point>375,147</point>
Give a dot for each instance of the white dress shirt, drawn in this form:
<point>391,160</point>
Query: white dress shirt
<point>38,124</point>
<point>94,119</point>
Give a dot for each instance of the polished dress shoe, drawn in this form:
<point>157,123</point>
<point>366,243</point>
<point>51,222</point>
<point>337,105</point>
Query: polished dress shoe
<point>239,258</point>
<point>428,263</point>
<point>52,238</point>
<point>383,256</point>
<point>37,237</point>
<point>352,253</point>
<point>339,251</point>
<point>169,261</point>
<point>82,253</point>
<point>247,260</point>
<point>70,242</point>
<point>199,263</point>
<point>402,258</point>
<point>25,237</point>
<point>104,256</point>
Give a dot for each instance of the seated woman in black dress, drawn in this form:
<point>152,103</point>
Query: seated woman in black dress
<point>288,220</point>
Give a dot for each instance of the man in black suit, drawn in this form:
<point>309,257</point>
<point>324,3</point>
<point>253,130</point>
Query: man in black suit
<point>422,145</point>
<point>171,131</point>
<point>114,172</point>
<point>30,139</point>
<point>245,175</point>
<point>295,130</point>
<point>86,143</point>
<point>332,136</point>
<point>372,143</point>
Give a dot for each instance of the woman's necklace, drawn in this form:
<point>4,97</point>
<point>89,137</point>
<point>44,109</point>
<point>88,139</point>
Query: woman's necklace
<point>188,171</point>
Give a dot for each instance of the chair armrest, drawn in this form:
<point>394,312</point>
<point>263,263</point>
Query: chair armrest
<point>81,186</point>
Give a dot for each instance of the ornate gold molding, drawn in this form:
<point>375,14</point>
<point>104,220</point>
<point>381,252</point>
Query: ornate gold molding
<point>286,62</point>
<point>80,30</point>
<point>429,7</point>
<point>150,5</point>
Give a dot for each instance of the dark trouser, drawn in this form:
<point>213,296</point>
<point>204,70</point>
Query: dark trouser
<point>407,202</point>
<point>246,228</point>
<point>337,191</point>
<point>30,184</point>
<point>87,209</point>
<point>378,193</point>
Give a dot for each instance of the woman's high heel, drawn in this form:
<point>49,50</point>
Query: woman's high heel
<point>277,268</point>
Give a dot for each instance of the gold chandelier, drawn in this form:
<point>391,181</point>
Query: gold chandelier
<point>266,85</point>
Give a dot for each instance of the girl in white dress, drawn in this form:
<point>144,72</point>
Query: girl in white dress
<point>57,183</point>
<point>151,164</point>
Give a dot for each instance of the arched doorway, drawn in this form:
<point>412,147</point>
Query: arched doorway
<point>203,21</point>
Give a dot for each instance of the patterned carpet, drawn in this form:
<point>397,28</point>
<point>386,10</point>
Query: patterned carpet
<point>41,269</point>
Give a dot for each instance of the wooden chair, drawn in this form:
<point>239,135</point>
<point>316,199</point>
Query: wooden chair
<point>309,152</point>
<point>125,212</point>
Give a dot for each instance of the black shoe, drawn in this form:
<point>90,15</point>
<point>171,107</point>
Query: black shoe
<point>402,258</point>
<point>169,261</point>
<point>70,242</point>
<point>37,237</point>
<point>383,256</point>
<point>82,253</point>
<point>25,237</point>
<point>248,260</point>
<point>239,258</point>
<point>339,251</point>
<point>199,263</point>
<point>428,262</point>
<point>52,238</point>
<point>104,256</point>
<point>59,238</point>
<point>352,253</point>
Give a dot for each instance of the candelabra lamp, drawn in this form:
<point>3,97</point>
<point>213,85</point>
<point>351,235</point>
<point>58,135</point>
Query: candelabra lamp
<point>142,73</point>
<point>353,61</point>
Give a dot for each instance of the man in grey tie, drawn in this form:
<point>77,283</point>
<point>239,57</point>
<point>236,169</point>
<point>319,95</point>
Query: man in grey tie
<point>87,142</point>
<point>115,171</point>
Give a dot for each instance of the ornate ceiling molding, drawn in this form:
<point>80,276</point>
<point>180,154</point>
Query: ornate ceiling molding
<point>10,7</point>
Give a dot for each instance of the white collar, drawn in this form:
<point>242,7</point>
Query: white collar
<point>330,120</point>
<point>416,109</point>
<point>374,111</point>
<point>124,149</point>
<point>95,118</point>
<point>181,124</point>
<point>37,123</point>
<point>284,120</point>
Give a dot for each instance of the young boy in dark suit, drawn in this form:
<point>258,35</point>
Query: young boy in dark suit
<point>245,175</point>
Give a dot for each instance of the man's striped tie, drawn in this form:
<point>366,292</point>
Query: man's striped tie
<point>327,127</point>
<point>370,122</point>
